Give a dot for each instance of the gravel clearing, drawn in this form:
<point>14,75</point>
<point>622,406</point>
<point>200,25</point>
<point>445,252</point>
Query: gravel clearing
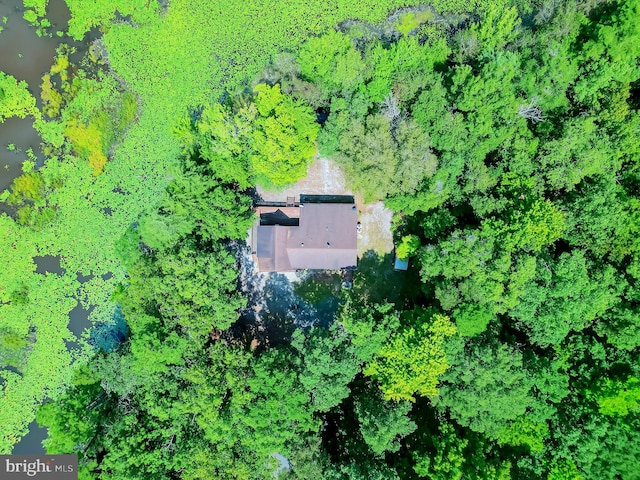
<point>325,177</point>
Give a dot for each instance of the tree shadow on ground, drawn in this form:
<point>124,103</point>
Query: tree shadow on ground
<point>275,310</point>
<point>323,291</point>
<point>278,304</point>
<point>377,280</point>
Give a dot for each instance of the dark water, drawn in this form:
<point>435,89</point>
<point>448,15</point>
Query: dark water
<point>31,443</point>
<point>48,264</point>
<point>22,53</point>
<point>27,57</point>
<point>79,320</point>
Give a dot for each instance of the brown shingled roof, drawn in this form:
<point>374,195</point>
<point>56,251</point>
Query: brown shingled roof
<point>325,238</point>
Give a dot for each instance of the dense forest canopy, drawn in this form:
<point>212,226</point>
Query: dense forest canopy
<point>504,136</point>
<point>150,65</point>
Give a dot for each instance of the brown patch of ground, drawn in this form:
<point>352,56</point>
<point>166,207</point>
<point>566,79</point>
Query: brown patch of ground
<point>325,177</point>
<point>375,234</point>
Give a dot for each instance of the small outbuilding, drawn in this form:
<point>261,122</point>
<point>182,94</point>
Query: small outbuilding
<point>400,264</point>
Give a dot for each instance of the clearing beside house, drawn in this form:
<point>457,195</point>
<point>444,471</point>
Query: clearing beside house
<point>324,177</point>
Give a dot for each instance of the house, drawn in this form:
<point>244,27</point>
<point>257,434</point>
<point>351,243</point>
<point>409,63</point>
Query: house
<point>319,233</point>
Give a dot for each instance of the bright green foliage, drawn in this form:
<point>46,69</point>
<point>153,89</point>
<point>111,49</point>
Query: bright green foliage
<point>485,388</point>
<point>603,218</point>
<point>28,192</point>
<point>613,40</point>
<point>190,278</point>
<point>474,277</point>
<point>567,294</point>
<point>221,139</point>
<point>581,152</point>
<point>187,56</point>
<point>369,326</point>
<point>86,14</point>
<point>621,324</point>
<point>35,217</point>
<point>408,22</point>
<point>161,231</point>
<point>498,27</point>
<point>448,458</point>
<point>41,362</point>
<point>284,137</point>
<point>29,186</point>
<point>529,214</point>
<point>12,345</point>
<point>196,290</point>
<point>531,228</point>
<point>98,111</point>
<point>188,202</point>
<point>89,141</point>
<point>226,43</point>
<point>15,99</point>
<point>383,423</point>
<point>270,138</point>
<point>180,294</point>
<point>525,432</point>
<point>445,453</point>
<point>89,112</point>
<point>34,13</point>
<point>276,390</point>
<point>329,365</point>
<point>367,153</point>
<point>74,421</point>
<point>564,470</point>
<point>408,246</point>
<point>619,398</point>
<point>379,162</point>
<point>605,449</point>
<point>472,319</point>
<point>30,16</point>
<point>172,59</point>
<point>51,98</point>
<point>413,360</point>
<point>332,62</point>
<point>506,141</point>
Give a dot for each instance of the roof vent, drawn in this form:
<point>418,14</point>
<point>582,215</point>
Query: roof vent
<point>328,244</point>
<point>302,244</point>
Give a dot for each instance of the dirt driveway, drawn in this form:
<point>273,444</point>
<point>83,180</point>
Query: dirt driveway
<point>325,177</point>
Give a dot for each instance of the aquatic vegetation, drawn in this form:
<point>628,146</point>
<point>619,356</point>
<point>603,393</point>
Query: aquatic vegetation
<point>15,98</point>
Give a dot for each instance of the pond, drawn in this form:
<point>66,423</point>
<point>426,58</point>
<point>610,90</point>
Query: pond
<point>26,56</point>
<point>31,443</point>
